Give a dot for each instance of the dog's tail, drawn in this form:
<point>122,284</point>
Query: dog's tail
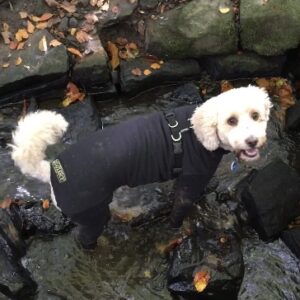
<point>33,134</point>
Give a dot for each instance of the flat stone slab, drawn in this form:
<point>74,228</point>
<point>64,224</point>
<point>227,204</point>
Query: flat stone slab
<point>37,67</point>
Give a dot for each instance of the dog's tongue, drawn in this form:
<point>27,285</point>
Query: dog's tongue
<point>251,152</point>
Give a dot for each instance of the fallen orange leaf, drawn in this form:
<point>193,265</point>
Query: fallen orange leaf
<point>43,44</point>
<point>45,204</point>
<point>18,61</point>
<point>23,14</point>
<point>34,18</point>
<point>74,51</point>
<point>54,43</point>
<point>45,17</point>
<point>201,280</point>
<point>155,66</point>
<point>30,27</point>
<point>6,203</point>
<point>114,54</point>
<point>20,46</point>
<point>226,86</point>
<point>82,36</point>
<point>136,71</point>
<point>21,34</point>
<point>147,72</point>
<point>42,25</point>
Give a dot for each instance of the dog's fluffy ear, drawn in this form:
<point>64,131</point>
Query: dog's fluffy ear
<point>204,122</point>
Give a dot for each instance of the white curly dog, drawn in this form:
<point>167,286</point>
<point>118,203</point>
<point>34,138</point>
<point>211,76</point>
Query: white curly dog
<point>142,150</point>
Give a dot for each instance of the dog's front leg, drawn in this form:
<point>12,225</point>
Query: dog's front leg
<point>181,208</point>
<point>91,224</point>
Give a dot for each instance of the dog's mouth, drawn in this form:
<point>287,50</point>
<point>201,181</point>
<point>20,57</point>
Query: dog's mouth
<point>248,154</point>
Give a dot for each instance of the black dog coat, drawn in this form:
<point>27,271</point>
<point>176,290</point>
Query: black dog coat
<point>135,152</point>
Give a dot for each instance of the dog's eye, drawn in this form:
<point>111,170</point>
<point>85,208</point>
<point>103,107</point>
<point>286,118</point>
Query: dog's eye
<point>232,121</point>
<point>255,115</point>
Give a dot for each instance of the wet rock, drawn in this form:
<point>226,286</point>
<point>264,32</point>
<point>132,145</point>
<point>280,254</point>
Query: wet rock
<point>73,22</point>
<point>148,4</point>
<point>37,67</point>
<point>293,117</point>
<point>292,239</point>
<point>271,272</point>
<point>218,254</point>
<point>14,279</point>
<point>268,213</point>
<point>269,28</point>
<point>170,71</point>
<point>179,34</point>
<point>187,93</point>
<point>243,65</point>
<point>117,11</point>
<point>91,71</point>
<point>15,282</point>
<point>63,25</point>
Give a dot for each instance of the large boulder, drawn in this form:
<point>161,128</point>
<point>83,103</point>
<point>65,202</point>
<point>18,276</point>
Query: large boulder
<point>38,68</point>
<point>269,27</point>
<point>194,29</point>
<point>271,272</point>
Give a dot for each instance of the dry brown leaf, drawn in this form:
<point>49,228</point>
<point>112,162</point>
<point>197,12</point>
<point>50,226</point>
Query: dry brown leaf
<point>155,66</point>
<point>54,43</point>
<point>87,27</point>
<point>30,27</point>
<point>72,31</point>
<point>74,51</point>
<point>82,36</point>
<point>93,2</point>
<point>45,17</point>
<point>21,34</point>
<point>53,21</point>
<point>201,280</point>
<point>100,3</point>
<point>91,18</point>
<point>166,248</point>
<point>5,26</point>
<point>43,44</point>
<point>226,86</point>
<point>45,204</point>
<point>73,95</point>
<point>23,14</point>
<point>136,72</point>
<point>42,25</point>
<point>6,203</point>
<point>114,54</point>
<point>147,72</point>
<point>68,7</point>
<point>5,65</point>
<point>223,9</point>
<point>13,45</point>
<point>34,18</point>
<point>20,46</point>
<point>18,61</point>
<point>5,35</point>
<point>52,3</point>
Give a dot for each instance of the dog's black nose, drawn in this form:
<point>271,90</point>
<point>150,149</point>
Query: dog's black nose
<point>251,142</point>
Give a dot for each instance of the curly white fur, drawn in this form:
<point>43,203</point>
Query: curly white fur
<point>29,142</point>
<point>210,120</point>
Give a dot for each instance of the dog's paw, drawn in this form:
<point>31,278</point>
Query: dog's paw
<point>81,243</point>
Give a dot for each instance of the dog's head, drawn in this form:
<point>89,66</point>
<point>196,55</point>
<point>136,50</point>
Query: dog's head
<point>235,120</point>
